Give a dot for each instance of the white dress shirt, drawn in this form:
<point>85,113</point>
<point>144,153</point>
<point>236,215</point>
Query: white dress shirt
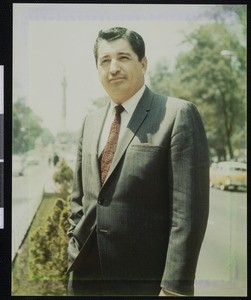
<point>129,107</point>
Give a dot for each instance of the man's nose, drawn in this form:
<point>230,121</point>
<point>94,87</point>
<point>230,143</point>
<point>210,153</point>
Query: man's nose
<point>114,66</point>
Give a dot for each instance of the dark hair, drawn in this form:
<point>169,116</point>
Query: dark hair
<point>114,33</point>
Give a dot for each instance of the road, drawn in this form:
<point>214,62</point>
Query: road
<point>222,265</point>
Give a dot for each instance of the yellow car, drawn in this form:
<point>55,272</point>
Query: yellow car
<point>228,174</point>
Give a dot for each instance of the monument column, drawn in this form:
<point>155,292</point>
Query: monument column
<point>64,85</point>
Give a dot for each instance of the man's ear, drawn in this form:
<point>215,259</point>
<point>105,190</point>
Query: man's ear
<point>144,64</point>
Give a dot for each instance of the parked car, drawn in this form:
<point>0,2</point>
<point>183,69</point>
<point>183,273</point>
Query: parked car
<point>17,166</point>
<point>228,174</point>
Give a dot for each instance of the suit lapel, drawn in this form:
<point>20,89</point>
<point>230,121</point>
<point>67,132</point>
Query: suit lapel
<point>98,122</point>
<point>137,119</point>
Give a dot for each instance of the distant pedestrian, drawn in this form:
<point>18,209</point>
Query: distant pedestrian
<point>55,159</point>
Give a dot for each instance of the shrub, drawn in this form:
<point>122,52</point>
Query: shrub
<point>48,251</point>
<point>63,178</point>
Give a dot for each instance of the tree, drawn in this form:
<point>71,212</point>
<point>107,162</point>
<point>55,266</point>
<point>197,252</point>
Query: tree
<point>213,75</point>
<point>27,128</point>
<point>235,14</point>
<point>47,137</point>
<point>160,78</point>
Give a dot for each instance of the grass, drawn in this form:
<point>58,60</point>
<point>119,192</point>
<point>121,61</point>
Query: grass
<point>22,281</point>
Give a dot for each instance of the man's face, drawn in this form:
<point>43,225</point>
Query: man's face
<point>119,70</point>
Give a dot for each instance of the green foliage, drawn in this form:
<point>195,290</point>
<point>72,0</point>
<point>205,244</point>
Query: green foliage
<point>213,76</point>
<point>46,137</point>
<point>160,78</point>
<point>35,273</point>
<point>27,128</point>
<point>64,219</point>
<point>235,14</point>
<point>63,177</point>
<point>48,252</point>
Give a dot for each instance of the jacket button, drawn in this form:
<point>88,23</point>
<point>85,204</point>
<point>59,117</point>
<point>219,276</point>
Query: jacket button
<point>100,200</point>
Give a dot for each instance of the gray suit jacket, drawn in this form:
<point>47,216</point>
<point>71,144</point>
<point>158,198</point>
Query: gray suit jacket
<point>151,213</point>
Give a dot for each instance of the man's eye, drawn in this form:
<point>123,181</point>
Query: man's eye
<point>104,61</point>
<point>123,58</point>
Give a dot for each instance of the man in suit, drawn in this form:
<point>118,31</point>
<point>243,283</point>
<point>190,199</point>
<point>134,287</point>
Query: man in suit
<point>138,216</point>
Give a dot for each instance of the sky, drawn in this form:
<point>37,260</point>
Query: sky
<point>51,41</point>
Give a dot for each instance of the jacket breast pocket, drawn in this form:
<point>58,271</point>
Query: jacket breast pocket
<point>147,148</point>
<point>146,161</point>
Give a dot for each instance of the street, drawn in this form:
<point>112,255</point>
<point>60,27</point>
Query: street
<point>222,266</point>
<point>222,263</point>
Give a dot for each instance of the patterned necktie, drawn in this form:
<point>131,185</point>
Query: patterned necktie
<point>107,154</point>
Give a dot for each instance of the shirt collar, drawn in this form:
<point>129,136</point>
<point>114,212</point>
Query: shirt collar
<point>131,103</point>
